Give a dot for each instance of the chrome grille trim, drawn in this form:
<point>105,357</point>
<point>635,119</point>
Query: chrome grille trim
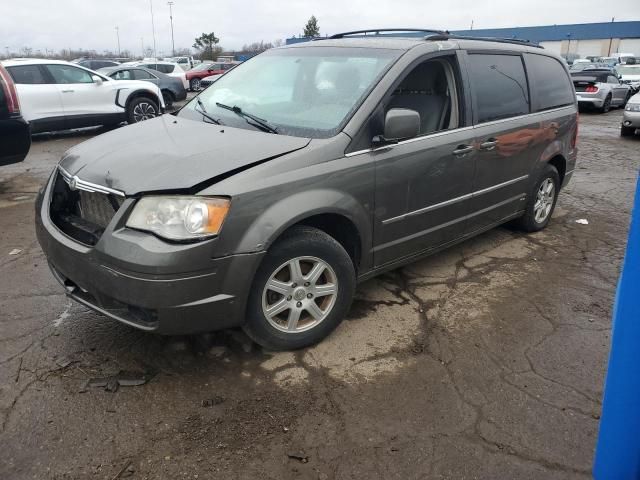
<point>76,183</point>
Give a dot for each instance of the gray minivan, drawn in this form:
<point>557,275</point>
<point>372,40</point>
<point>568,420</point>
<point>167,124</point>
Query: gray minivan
<point>303,171</point>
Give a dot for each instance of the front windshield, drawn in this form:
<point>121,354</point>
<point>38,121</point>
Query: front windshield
<point>629,69</point>
<point>307,91</point>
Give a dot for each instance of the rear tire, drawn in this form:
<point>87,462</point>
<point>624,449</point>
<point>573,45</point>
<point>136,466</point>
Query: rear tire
<point>627,131</point>
<point>606,106</point>
<point>168,99</point>
<point>541,201</point>
<point>194,85</point>
<point>290,308</point>
<point>142,108</point>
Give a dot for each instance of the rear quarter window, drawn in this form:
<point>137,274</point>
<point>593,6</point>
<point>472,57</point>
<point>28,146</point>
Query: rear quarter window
<point>500,86</point>
<point>550,84</point>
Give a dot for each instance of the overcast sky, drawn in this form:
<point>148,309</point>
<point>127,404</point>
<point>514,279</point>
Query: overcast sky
<point>90,24</point>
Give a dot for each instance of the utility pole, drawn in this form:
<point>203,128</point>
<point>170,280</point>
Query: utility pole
<point>118,35</point>
<point>153,30</point>
<point>142,46</point>
<point>610,37</point>
<point>471,25</point>
<point>7,49</point>
<point>173,44</point>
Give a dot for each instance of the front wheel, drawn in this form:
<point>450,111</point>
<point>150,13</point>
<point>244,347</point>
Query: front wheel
<point>541,201</point>
<point>142,108</point>
<point>301,292</point>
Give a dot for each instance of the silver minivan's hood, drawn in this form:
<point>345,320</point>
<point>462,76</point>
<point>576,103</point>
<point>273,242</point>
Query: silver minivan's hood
<point>171,153</point>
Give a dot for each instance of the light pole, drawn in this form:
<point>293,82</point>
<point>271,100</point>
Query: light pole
<point>153,30</point>
<point>7,49</point>
<point>118,35</point>
<point>173,45</point>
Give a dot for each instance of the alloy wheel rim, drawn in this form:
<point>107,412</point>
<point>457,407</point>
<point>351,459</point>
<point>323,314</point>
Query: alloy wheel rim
<point>143,111</point>
<point>544,200</point>
<point>299,294</point>
<point>196,84</point>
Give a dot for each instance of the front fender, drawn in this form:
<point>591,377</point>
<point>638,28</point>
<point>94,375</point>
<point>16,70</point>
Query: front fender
<point>278,217</point>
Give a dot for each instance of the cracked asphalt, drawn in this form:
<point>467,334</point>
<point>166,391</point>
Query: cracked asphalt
<point>485,361</point>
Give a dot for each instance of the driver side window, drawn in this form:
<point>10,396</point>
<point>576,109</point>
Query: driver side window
<point>429,89</point>
<point>67,74</point>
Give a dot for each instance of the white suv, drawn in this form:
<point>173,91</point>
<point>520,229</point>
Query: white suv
<point>57,95</point>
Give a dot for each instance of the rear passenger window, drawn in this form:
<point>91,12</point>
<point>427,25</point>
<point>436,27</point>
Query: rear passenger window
<point>549,82</point>
<point>27,75</point>
<point>500,86</point>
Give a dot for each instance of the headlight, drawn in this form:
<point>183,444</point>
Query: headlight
<point>632,107</point>
<point>179,217</point>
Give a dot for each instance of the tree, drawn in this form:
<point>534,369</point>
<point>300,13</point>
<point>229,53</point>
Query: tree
<point>312,29</point>
<point>257,47</point>
<point>206,44</point>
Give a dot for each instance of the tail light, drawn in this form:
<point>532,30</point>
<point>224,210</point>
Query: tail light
<point>591,89</point>
<point>10,93</point>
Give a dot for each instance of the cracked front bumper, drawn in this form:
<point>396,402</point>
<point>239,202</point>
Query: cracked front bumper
<point>145,282</point>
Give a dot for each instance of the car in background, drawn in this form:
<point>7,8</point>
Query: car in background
<point>172,88</point>
<point>57,95</point>
<point>96,63</point>
<point>15,136</point>
<point>186,63</point>
<point>600,89</point>
<point>168,68</point>
<point>630,74</point>
<point>631,116</point>
<point>579,66</point>
<point>206,81</point>
<point>195,75</point>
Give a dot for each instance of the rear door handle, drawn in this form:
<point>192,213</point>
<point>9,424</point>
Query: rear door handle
<point>462,150</point>
<point>489,144</point>
<point>67,91</point>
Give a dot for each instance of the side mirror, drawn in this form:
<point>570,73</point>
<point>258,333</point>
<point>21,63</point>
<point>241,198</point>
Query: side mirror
<point>399,124</point>
<point>96,79</point>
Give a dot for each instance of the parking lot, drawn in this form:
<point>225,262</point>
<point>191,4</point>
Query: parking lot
<point>485,361</point>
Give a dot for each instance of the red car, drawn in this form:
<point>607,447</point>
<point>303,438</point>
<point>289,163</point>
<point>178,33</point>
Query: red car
<point>207,69</point>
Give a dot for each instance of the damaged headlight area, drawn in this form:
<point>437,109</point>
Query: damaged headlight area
<point>179,217</point>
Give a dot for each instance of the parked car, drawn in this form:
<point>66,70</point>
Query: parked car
<point>206,81</point>
<point>631,116</point>
<point>302,171</point>
<point>96,64</point>
<point>600,89</point>
<point>58,95</point>
<point>168,68</point>
<point>186,63</point>
<point>630,74</point>
<point>15,137</point>
<point>172,88</point>
<point>580,66</point>
<point>195,75</point>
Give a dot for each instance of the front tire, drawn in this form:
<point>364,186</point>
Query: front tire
<point>541,201</point>
<point>194,84</point>
<point>301,291</point>
<point>142,108</point>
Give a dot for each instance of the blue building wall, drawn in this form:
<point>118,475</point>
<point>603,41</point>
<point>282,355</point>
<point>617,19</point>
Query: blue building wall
<point>546,33</point>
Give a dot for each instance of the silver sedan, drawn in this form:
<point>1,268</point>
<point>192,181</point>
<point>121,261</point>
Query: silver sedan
<point>631,116</point>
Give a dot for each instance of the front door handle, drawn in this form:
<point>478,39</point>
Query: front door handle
<point>67,91</point>
<point>489,144</point>
<point>462,150</point>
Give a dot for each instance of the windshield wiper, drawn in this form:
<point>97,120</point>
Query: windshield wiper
<point>203,111</point>
<point>257,122</point>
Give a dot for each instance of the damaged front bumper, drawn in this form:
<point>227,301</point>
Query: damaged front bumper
<point>145,282</point>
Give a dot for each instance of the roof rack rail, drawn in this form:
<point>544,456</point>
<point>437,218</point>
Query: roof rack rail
<point>377,31</point>
<point>515,41</point>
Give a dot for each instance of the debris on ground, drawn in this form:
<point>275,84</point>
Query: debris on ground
<point>217,351</point>
<point>122,379</point>
<point>210,402</point>
<point>298,456</point>
<point>121,472</point>
<point>582,221</point>
<point>64,362</point>
<point>15,251</point>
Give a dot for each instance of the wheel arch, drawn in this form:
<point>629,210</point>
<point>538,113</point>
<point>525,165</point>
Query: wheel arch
<point>142,93</point>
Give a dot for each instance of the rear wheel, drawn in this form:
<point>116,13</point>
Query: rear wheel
<point>194,84</point>
<point>627,131</point>
<point>541,201</point>
<point>142,108</point>
<point>606,106</point>
<point>301,291</point>
<point>168,98</point>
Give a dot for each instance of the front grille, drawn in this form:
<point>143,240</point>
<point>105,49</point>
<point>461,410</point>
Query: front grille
<point>80,214</point>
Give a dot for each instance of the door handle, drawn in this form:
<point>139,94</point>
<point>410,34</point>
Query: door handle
<point>489,144</point>
<point>462,150</point>
<point>67,91</point>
